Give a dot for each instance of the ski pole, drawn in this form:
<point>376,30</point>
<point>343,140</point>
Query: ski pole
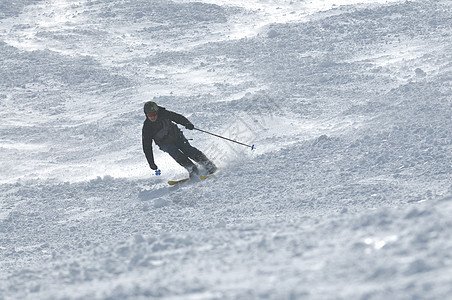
<point>251,146</point>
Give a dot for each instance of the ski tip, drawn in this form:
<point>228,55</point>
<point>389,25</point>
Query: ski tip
<point>174,182</point>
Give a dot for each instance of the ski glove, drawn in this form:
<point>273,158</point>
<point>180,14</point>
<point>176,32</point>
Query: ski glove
<point>153,166</point>
<point>190,126</point>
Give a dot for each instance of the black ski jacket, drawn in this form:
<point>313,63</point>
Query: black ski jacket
<point>163,131</point>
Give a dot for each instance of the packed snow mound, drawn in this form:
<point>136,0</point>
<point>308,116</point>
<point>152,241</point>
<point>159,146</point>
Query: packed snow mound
<point>348,194</point>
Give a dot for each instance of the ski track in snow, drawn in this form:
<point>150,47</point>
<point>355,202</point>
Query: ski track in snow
<point>348,194</point>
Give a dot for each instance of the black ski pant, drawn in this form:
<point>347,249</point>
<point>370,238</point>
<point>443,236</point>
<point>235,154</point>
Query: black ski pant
<point>182,152</point>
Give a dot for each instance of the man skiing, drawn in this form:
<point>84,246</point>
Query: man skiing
<point>159,127</point>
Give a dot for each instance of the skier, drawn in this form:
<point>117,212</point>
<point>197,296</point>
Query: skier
<point>159,127</point>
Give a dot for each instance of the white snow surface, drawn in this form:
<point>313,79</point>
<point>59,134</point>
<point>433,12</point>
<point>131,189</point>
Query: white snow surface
<point>348,194</point>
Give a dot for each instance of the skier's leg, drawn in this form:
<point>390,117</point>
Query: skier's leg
<point>180,158</point>
<point>202,159</point>
<point>197,156</point>
<point>185,162</point>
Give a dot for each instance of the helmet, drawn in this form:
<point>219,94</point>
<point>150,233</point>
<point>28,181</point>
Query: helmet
<point>150,107</point>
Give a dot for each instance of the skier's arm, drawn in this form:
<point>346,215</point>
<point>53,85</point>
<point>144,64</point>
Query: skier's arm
<point>147,149</point>
<point>180,119</point>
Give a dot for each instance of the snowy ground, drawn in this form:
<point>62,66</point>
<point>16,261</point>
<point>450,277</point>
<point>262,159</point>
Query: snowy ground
<point>347,196</point>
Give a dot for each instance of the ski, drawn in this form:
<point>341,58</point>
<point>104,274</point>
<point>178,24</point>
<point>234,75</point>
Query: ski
<point>174,182</point>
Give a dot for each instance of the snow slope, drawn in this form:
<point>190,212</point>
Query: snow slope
<point>348,194</point>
